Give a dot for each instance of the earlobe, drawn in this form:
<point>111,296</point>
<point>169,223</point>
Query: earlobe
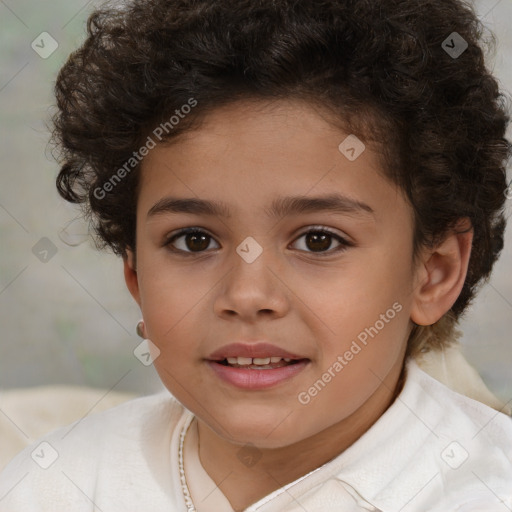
<point>442,273</point>
<point>130,275</point>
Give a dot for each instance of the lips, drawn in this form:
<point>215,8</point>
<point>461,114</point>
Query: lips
<point>255,366</point>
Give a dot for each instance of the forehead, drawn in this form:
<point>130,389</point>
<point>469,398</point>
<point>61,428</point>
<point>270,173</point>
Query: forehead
<point>255,131</point>
<point>275,121</point>
<point>249,152</point>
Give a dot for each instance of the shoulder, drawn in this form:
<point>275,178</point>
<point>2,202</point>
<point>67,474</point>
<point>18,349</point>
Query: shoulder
<point>433,450</point>
<point>468,449</point>
<point>457,415</point>
<point>95,457</point>
<point>436,412</point>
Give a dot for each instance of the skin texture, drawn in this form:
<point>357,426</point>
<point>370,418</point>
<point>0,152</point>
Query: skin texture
<point>306,301</point>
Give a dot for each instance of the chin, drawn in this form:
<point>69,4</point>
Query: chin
<point>268,432</point>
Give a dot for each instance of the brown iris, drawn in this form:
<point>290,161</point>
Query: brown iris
<point>318,241</point>
<point>197,241</point>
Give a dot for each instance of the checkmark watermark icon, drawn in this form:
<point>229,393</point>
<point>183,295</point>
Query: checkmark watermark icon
<point>454,45</point>
<point>44,45</point>
<point>44,455</point>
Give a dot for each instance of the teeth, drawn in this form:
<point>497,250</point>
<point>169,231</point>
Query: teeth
<point>246,361</point>
<point>261,360</point>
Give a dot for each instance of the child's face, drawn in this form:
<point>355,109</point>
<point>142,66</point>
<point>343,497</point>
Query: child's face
<point>308,302</point>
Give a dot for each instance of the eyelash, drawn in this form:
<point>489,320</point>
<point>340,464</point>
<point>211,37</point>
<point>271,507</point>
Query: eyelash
<point>344,244</point>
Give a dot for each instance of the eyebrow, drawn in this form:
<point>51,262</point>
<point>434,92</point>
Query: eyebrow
<point>280,207</point>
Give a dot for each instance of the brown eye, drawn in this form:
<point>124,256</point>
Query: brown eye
<point>321,240</point>
<point>197,242</point>
<point>318,241</point>
<point>190,241</point>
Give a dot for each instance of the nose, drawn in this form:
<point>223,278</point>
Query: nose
<point>252,291</point>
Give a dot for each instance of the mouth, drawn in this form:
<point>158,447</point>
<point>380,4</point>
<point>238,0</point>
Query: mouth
<point>259,363</point>
<point>256,373</point>
<point>255,365</point>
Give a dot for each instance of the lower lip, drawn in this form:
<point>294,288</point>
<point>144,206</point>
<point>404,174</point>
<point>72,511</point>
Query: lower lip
<point>256,379</point>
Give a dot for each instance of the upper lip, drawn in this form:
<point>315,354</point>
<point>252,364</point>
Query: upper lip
<point>251,350</point>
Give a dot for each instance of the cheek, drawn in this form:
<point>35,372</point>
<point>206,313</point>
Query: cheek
<point>355,362</point>
<point>367,315</point>
<point>170,294</point>
<point>355,298</point>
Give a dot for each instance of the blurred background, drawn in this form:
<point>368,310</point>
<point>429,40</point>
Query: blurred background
<point>66,317</point>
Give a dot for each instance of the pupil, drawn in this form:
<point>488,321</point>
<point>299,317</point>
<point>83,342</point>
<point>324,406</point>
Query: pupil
<point>198,242</point>
<point>321,242</point>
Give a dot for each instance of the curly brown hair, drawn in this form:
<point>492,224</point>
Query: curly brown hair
<point>382,68</point>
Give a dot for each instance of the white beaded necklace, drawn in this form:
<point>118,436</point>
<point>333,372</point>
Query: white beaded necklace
<point>184,487</point>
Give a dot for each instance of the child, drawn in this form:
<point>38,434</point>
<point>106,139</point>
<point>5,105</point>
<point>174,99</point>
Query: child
<point>306,196</point>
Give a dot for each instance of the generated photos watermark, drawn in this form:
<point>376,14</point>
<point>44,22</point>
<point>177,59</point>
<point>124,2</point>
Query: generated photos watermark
<point>305,397</point>
<point>158,134</point>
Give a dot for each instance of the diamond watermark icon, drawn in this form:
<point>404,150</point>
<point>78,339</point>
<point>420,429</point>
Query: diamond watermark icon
<point>146,352</point>
<point>249,250</point>
<point>454,45</point>
<point>44,455</point>
<point>44,45</point>
<point>352,148</point>
<point>249,455</point>
<point>44,250</point>
<point>454,455</point>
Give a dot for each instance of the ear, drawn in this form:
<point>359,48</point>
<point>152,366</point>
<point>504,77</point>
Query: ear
<point>130,275</point>
<point>440,275</point>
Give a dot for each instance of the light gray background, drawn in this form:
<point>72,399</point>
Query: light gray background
<point>70,320</point>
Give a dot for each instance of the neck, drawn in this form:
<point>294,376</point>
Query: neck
<point>245,484</point>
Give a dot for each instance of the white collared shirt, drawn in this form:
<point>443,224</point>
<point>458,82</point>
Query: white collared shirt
<point>433,450</point>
